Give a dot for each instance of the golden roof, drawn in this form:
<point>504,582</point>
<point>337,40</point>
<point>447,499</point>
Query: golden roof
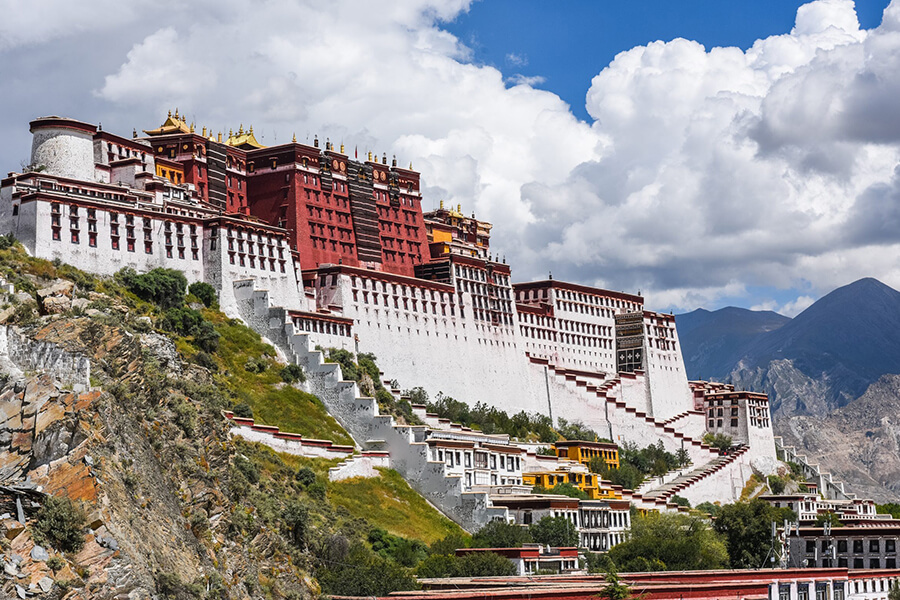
<point>243,139</point>
<point>173,124</point>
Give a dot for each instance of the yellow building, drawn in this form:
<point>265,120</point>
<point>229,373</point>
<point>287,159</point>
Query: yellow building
<point>583,452</point>
<point>588,483</point>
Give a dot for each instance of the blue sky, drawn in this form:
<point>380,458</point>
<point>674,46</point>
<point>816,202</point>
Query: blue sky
<point>568,42</point>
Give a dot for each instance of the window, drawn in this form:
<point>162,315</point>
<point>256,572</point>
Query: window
<point>874,563</point>
<point>858,563</point>
<point>874,546</point>
<point>92,240</point>
<point>890,546</point>
<point>842,546</point>
<point>857,546</point>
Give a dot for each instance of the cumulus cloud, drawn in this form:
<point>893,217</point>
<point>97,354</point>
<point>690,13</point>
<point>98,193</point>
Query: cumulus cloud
<point>703,173</point>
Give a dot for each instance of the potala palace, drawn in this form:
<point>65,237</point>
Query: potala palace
<point>314,248</point>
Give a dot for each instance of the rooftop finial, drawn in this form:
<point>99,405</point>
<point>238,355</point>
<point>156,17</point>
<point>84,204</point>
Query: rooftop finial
<point>370,156</point>
<point>316,141</point>
<point>251,130</point>
<point>394,161</point>
<point>176,112</point>
<point>203,132</point>
<point>342,147</point>
<point>410,165</point>
<point>220,137</point>
<point>192,127</point>
<point>459,208</point>
<point>231,133</point>
<point>99,126</point>
<point>384,159</point>
<point>442,205</point>
<point>134,133</point>
<point>170,112</point>
<point>550,276</point>
<point>294,139</point>
<point>241,129</point>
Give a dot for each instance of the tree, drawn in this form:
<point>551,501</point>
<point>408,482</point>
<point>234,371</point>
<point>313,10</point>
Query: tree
<point>563,489</point>
<point>164,287</point>
<point>364,573</point>
<point>554,531</point>
<point>776,484</point>
<point>747,529</point>
<point>500,534</point>
<point>709,508</point>
<point>615,589</point>
<point>720,441</point>
<point>828,517</point>
<point>205,293</point>
<point>894,594</point>
<point>670,541</point>
<point>473,564</point>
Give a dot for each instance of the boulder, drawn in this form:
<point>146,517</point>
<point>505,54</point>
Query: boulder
<point>54,305</point>
<point>12,528</point>
<point>59,288</point>
<point>38,553</point>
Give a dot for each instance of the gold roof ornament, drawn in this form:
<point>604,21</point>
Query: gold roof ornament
<point>203,133</point>
<point>294,139</point>
<point>245,140</point>
<point>342,147</point>
<point>370,156</point>
<point>173,124</point>
<point>192,127</point>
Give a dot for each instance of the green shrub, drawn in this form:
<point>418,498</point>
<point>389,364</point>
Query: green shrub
<point>55,563</point>
<point>776,484</point>
<point>247,469</point>
<point>719,441</point>
<point>256,365</point>
<point>243,410</point>
<point>316,491</point>
<point>295,521</point>
<point>205,293</point>
<point>185,416</point>
<point>205,360</point>
<point>306,477</point>
<point>292,374</point>
<point>59,523</point>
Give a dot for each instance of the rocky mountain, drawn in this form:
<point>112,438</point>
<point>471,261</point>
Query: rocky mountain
<point>822,359</point>
<point>832,374</point>
<point>712,342</point>
<point>859,442</point>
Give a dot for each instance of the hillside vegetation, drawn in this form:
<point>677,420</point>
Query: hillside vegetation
<point>190,512</point>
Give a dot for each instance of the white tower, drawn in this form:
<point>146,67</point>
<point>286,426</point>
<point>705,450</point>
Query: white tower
<point>63,147</point>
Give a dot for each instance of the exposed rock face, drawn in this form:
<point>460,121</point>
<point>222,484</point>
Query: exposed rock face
<point>102,450</point>
<point>858,443</point>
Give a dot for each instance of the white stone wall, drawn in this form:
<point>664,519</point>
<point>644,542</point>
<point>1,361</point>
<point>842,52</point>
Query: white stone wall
<point>290,446</point>
<point>669,391</point>
<point>64,152</point>
<point>364,465</point>
<point>222,268</point>
<point>450,354</point>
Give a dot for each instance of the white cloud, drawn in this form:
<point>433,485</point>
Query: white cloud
<point>705,173</point>
<point>531,81</point>
<point>794,308</point>
<point>517,60</point>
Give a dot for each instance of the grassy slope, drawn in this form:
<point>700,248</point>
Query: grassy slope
<point>386,502</point>
<point>273,403</point>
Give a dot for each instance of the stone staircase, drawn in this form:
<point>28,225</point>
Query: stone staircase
<point>690,478</point>
<point>828,487</point>
<point>359,415</point>
<point>648,429</point>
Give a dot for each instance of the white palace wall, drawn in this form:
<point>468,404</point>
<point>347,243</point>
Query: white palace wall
<point>444,352</point>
